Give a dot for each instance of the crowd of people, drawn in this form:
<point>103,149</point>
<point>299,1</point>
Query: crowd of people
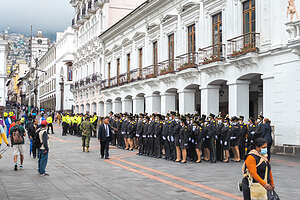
<point>17,128</point>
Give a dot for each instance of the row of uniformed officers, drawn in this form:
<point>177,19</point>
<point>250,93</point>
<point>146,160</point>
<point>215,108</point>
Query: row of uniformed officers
<point>176,137</point>
<point>71,123</point>
<point>189,137</point>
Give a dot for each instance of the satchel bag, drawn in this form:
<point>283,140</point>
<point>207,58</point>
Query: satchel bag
<point>257,191</point>
<point>272,195</point>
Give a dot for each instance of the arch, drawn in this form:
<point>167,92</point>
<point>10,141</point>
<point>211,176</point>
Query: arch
<point>192,86</point>
<point>140,95</point>
<point>217,82</point>
<point>250,76</point>
<point>171,90</point>
<point>128,97</point>
<point>118,99</point>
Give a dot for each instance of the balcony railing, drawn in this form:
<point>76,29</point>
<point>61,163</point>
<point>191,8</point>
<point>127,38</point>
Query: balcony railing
<point>81,83</point>
<point>134,75</point>
<point>76,85</point>
<point>212,54</point>
<point>122,79</point>
<point>188,60</point>
<point>166,67</point>
<point>91,7</point>
<point>104,84</point>
<point>113,81</point>
<point>87,80</point>
<point>150,71</point>
<point>243,44</point>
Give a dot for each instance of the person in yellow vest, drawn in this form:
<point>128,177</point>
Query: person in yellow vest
<point>64,124</point>
<point>50,124</point>
<point>74,124</point>
<point>94,121</point>
<point>71,130</point>
<point>68,120</point>
<point>79,120</point>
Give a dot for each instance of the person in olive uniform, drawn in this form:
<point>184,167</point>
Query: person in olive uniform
<point>86,128</point>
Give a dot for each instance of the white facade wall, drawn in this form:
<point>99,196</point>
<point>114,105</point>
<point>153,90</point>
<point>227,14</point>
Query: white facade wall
<point>270,74</point>
<point>3,60</point>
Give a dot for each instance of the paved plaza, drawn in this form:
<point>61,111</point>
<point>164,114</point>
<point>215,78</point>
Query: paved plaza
<point>75,175</point>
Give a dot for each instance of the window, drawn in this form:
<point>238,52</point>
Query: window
<point>171,51</point>
<point>128,67</point>
<point>70,73</point>
<point>155,57</point>
<point>140,62</point>
<point>217,34</point>
<point>191,39</point>
<point>249,16</point>
<point>249,23</point>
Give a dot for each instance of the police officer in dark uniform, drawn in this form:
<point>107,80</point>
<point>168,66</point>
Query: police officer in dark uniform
<point>173,129</point>
<point>244,131</point>
<point>225,138</point>
<point>124,131</point>
<point>157,137</point>
<point>251,135</point>
<point>236,134</point>
<point>165,136</point>
<point>145,135</point>
<point>151,131</point>
<point>219,145</point>
<point>139,133</point>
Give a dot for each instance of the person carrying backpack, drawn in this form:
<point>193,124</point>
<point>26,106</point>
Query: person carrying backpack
<point>17,134</point>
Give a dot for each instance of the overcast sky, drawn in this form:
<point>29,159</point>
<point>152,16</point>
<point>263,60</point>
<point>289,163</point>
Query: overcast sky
<point>47,15</point>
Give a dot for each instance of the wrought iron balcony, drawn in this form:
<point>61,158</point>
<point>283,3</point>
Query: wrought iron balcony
<point>104,84</point>
<point>188,60</point>
<point>243,44</point>
<point>122,79</point>
<point>80,19</point>
<point>87,80</point>
<point>166,67</point>
<point>113,82</point>
<point>76,85</point>
<point>150,71</point>
<point>74,24</point>
<point>134,75</point>
<point>81,83</point>
<point>91,7</point>
<point>210,54</point>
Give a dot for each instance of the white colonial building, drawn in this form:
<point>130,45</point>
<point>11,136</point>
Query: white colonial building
<point>3,63</point>
<point>239,57</point>
<point>54,84</point>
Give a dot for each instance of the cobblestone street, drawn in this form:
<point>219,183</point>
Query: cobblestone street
<point>77,175</point>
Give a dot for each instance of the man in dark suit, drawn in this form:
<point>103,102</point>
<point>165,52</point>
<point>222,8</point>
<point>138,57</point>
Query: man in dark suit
<point>104,137</point>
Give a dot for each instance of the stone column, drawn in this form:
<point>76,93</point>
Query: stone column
<point>239,98</point>
<point>127,105</point>
<point>210,100</point>
<point>138,105</point>
<point>108,108</point>
<point>168,102</point>
<point>153,104</point>
<point>117,106</point>
<point>101,109</point>
<point>268,84</point>
<point>187,101</point>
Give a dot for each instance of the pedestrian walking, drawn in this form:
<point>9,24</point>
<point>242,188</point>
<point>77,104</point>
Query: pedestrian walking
<point>43,150</point>
<point>33,133</point>
<point>17,134</point>
<point>104,137</point>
